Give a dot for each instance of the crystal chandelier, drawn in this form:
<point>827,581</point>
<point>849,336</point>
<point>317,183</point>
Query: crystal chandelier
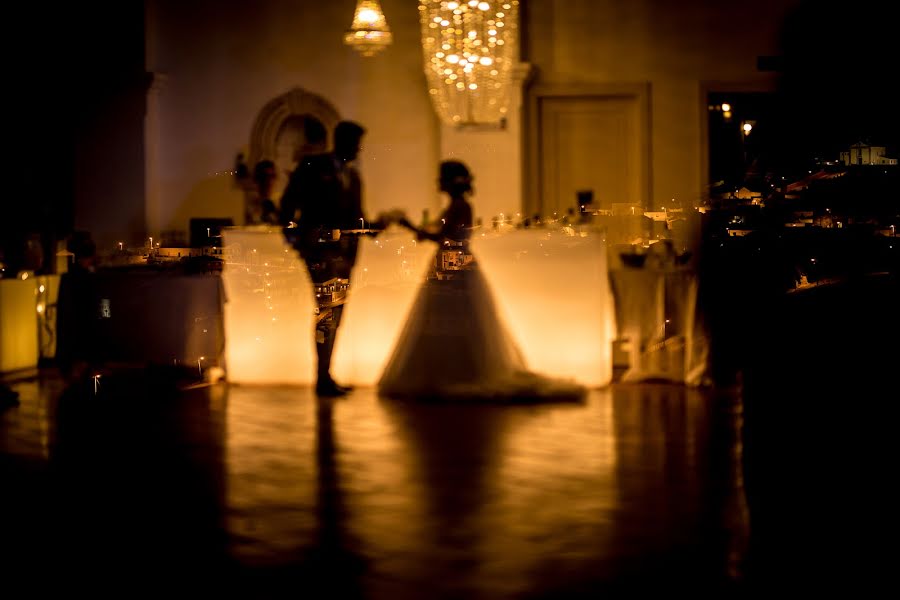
<point>470,48</point>
<point>369,32</point>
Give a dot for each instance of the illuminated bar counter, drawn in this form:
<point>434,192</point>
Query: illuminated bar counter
<point>18,324</point>
<point>550,286</point>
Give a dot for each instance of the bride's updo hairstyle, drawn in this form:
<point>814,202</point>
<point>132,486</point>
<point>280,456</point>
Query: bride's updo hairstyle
<point>455,178</point>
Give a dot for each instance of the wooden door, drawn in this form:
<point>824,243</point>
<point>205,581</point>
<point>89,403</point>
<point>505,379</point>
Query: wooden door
<point>591,142</point>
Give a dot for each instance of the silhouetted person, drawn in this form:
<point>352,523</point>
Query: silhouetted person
<point>456,221</point>
<point>323,197</point>
<point>78,310</point>
<point>21,243</point>
<point>241,170</point>
<point>315,141</point>
<point>8,397</point>
<point>261,209</point>
<point>453,345</point>
<point>316,137</point>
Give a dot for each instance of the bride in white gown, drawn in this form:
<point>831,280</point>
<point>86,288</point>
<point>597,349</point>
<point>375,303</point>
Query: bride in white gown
<point>454,345</point>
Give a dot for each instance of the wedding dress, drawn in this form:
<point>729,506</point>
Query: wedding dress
<point>454,345</point>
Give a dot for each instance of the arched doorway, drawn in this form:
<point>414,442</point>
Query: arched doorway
<point>298,136</point>
<point>287,128</point>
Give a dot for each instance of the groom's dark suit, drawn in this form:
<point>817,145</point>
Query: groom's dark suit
<point>324,194</point>
<point>327,193</point>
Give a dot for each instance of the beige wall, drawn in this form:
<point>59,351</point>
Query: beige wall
<point>673,46</point>
<point>222,65</point>
<point>223,62</point>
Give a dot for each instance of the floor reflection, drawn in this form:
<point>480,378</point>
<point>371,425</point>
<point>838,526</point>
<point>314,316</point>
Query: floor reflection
<point>456,468</point>
<point>682,514</point>
<point>495,501</point>
<point>121,480</point>
<point>270,473</point>
<point>263,489</point>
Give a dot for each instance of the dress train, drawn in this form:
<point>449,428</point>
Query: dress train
<point>455,346</point>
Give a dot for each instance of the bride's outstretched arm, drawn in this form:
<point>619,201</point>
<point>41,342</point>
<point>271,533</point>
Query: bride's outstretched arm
<point>422,233</point>
<point>384,220</point>
<point>399,217</point>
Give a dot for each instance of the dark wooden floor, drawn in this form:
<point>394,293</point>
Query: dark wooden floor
<point>260,489</point>
<point>785,481</point>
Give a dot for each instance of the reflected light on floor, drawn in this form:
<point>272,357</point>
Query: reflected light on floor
<point>531,480</point>
<point>270,475</point>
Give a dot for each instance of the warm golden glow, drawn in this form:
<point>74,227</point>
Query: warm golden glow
<point>269,314</point>
<point>553,292</point>
<point>259,349</point>
<point>369,33</point>
<point>747,128</point>
<point>726,107</point>
<point>478,43</point>
<point>389,272</point>
<point>564,326</point>
<point>529,470</point>
<point>19,324</point>
<point>285,459</point>
<point>368,16</point>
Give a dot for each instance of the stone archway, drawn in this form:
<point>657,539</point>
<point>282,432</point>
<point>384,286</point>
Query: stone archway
<point>280,123</point>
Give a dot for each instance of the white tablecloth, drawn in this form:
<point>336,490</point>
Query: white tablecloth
<point>658,325</point>
<point>143,316</point>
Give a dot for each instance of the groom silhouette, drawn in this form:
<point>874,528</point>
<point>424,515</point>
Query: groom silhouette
<point>322,198</point>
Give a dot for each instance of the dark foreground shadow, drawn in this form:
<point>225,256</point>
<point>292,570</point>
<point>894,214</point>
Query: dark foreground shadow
<point>820,392</point>
<point>130,494</point>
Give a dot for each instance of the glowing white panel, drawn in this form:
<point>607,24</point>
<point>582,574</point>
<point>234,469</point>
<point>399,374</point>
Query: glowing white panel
<point>47,297</point>
<point>388,273</point>
<point>18,324</point>
<point>269,314</point>
<point>553,292</point>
